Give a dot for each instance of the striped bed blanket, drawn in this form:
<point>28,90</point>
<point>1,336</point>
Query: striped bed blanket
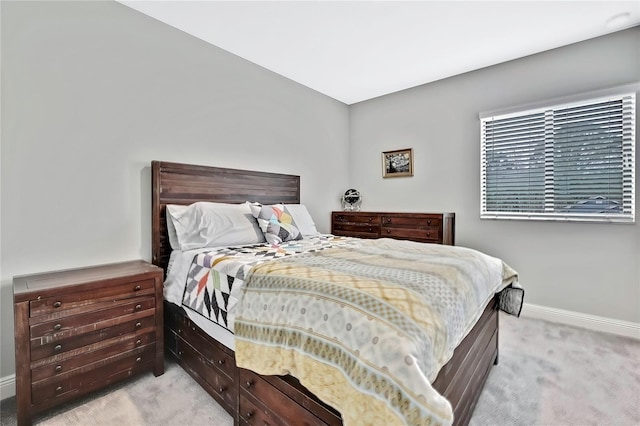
<point>366,325</point>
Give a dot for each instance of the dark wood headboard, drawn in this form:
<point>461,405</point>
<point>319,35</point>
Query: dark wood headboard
<point>174,183</point>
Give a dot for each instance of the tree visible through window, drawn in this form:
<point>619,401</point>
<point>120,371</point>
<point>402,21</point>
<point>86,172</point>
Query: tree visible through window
<point>572,161</point>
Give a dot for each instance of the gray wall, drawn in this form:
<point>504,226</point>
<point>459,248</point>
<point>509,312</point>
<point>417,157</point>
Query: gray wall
<point>93,91</point>
<point>587,268</point>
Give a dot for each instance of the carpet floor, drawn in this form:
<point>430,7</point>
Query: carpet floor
<point>548,374</point>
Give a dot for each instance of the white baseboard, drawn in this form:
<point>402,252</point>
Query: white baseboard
<point>577,319</point>
<point>7,386</point>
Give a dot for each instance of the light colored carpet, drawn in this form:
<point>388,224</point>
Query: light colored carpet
<point>115,408</point>
<point>173,399</point>
<point>552,374</point>
<point>548,374</point>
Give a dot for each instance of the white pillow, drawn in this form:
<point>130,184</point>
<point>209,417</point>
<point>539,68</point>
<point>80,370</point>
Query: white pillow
<point>303,219</point>
<point>205,224</point>
<point>173,209</point>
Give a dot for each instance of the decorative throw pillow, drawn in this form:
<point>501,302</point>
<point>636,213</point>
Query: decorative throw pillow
<point>276,223</point>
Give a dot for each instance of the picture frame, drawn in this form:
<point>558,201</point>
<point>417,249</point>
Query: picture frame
<point>397,163</point>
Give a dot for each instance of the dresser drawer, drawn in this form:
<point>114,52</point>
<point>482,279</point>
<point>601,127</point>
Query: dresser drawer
<point>415,234</point>
<point>356,218</point>
<point>410,221</point>
<point>40,349</point>
<point>251,414</point>
<point>73,360</point>
<point>78,302</point>
<point>356,230</point>
<point>224,362</point>
<point>69,386</point>
<point>68,326</point>
<point>214,377</point>
<point>254,388</point>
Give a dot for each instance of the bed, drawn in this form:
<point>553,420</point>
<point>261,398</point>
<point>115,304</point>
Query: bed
<point>253,398</point>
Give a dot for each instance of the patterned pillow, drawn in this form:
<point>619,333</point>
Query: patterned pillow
<point>276,223</point>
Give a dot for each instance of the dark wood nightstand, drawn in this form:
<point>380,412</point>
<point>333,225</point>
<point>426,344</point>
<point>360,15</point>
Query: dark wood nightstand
<point>438,228</point>
<point>79,330</point>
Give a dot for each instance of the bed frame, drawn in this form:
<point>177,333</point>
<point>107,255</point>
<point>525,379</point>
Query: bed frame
<point>255,399</point>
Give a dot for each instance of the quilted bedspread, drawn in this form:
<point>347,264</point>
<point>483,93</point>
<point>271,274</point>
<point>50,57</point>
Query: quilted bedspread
<point>215,277</point>
<point>367,324</point>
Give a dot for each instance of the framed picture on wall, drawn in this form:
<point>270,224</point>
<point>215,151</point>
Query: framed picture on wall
<point>397,163</point>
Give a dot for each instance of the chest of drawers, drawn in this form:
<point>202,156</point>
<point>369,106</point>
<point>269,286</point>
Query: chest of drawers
<point>438,228</point>
<point>79,330</point>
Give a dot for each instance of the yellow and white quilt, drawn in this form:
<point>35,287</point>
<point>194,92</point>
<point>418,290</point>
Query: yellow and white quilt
<point>366,325</point>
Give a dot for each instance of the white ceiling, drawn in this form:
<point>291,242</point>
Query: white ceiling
<point>358,50</point>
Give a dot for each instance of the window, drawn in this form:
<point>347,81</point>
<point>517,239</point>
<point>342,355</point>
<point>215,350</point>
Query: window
<point>571,161</point>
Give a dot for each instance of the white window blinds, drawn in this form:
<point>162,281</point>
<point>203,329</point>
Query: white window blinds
<point>564,162</point>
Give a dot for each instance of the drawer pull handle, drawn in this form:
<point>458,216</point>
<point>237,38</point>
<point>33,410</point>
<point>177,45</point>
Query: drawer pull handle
<point>138,359</point>
<point>57,327</point>
<point>221,390</point>
<point>57,304</point>
<point>388,220</point>
<point>59,389</point>
<point>138,342</point>
<point>249,414</point>
<point>138,307</point>
<point>388,231</point>
<point>57,348</point>
<point>137,288</point>
<point>220,361</point>
<point>180,353</point>
<point>249,383</point>
<point>58,368</point>
<point>429,222</point>
<point>138,325</point>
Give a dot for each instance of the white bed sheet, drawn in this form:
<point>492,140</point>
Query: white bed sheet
<point>177,270</point>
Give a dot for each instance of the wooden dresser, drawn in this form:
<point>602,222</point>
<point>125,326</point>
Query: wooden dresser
<point>82,329</point>
<point>438,228</point>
